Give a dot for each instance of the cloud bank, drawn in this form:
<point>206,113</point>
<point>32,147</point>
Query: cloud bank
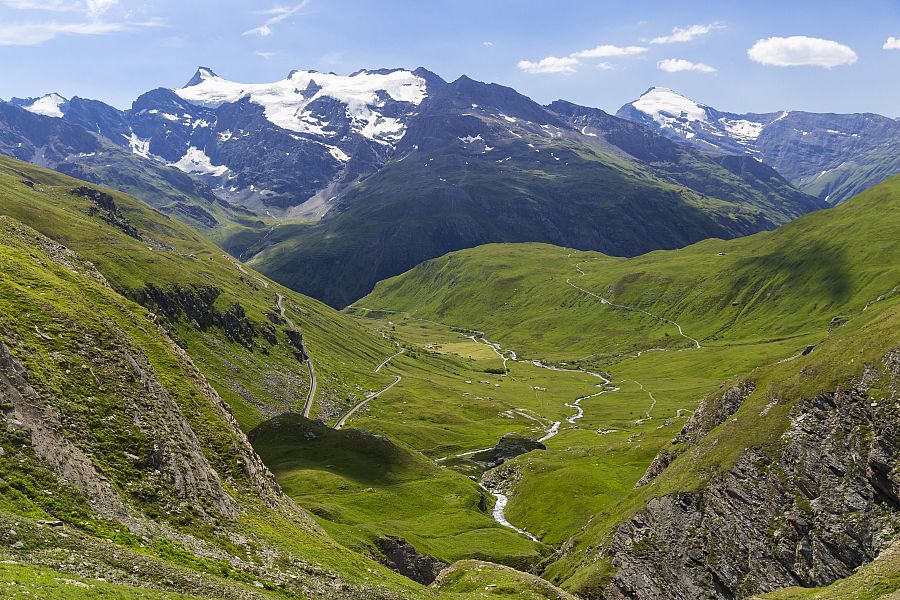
<point>570,63</point>
<point>801,51</point>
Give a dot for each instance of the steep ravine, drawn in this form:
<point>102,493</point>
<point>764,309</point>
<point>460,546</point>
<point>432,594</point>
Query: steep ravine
<point>804,511</point>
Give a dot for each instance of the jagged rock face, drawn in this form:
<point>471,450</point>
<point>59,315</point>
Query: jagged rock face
<point>197,305</point>
<point>806,512</point>
<point>400,556</point>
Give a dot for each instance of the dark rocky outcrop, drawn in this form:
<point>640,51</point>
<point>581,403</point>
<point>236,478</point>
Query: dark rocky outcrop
<point>105,207</point>
<point>509,446</point>
<point>399,555</point>
<point>809,510</point>
<point>296,340</point>
<point>197,304</point>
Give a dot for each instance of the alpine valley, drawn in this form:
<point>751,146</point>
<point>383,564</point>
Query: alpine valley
<point>382,335</point>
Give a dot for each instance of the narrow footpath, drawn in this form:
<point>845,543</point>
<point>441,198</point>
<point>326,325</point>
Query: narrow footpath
<point>307,407</point>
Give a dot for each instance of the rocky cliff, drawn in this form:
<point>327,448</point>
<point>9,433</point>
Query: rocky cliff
<point>804,511</point>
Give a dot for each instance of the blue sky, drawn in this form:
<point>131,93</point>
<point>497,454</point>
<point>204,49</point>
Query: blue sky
<point>596,53</point>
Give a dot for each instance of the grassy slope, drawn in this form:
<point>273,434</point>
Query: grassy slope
<point>70,332</point>
<point>173,254</point>
<point>836,362</point>
<point>763,299</point>
<point>344,353</point>
<point>361,487</point>
<point>770,285</point>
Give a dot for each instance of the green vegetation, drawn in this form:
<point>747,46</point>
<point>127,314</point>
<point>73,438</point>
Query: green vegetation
<point>768,286</point>
<point>476,579</point>
<point>828,280</point>
<point>258,379</point>
<point>878,579</point>
<point>17,580</point>
<point>76,339</point>
<point>119,398</point>
<point>362,486</point>
<point>102,387</point>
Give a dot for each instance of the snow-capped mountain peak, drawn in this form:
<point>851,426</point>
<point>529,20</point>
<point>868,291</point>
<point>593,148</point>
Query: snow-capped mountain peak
<point>679,117</point>
<point>49,105</point>
<point>292,102</point>
<point>663,104</point>
<point>202,74</point>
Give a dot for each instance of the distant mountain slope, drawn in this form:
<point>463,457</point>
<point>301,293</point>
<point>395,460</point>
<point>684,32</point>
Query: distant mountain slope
<point>80,147</point>
<point>832,156</point>
<point>481,163</point>
<point>780,282</point>
<point>360,177</point>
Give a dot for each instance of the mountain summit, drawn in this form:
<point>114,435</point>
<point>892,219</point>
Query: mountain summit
<point>49,105</point>
<point>831,156</point>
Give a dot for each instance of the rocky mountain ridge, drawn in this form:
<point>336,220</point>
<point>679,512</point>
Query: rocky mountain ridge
<point>832,156</point>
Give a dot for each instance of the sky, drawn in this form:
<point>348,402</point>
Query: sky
<point>737,56</point>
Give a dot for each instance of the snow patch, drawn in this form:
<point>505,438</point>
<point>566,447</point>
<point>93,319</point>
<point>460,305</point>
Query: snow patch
<point>50,106</point>
<point>138,146</point>
<point>197,162</point>
<point>664,106</point>
<point>741,128</point>
<point>338,154</point>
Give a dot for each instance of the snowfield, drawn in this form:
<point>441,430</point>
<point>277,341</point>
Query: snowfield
<point>665,105</point>
<point>49,106</point>
<point>286,102</point>
<point>196,161</point>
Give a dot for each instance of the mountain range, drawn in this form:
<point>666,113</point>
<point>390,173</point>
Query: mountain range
<point>831,156</point>
<point>330,183</point>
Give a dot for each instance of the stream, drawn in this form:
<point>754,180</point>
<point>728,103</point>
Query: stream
<point>499,512</point>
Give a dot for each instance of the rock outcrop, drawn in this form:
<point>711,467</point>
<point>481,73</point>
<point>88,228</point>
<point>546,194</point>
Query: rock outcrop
<point>197,304</point>
<point>711,413</point>
<point>400,556</point>
<point>105,207</point>
<point>805,511</point>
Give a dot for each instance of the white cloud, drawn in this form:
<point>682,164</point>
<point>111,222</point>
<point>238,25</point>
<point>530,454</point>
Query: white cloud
<point>551,64</point>
<point>892,43</point>
<point>605,66</point>
<point>31,34</point>
<point>677,65</point>
<point>96,7</point>
<point>52,5</point>
<point>92,7</point>
<point>265,54</point>
<point>608,51</point>
<point>278,14</point>
<point>686,34</point>
<point>800,50</point>
<point>570,63</point>
<point>487,44</point>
